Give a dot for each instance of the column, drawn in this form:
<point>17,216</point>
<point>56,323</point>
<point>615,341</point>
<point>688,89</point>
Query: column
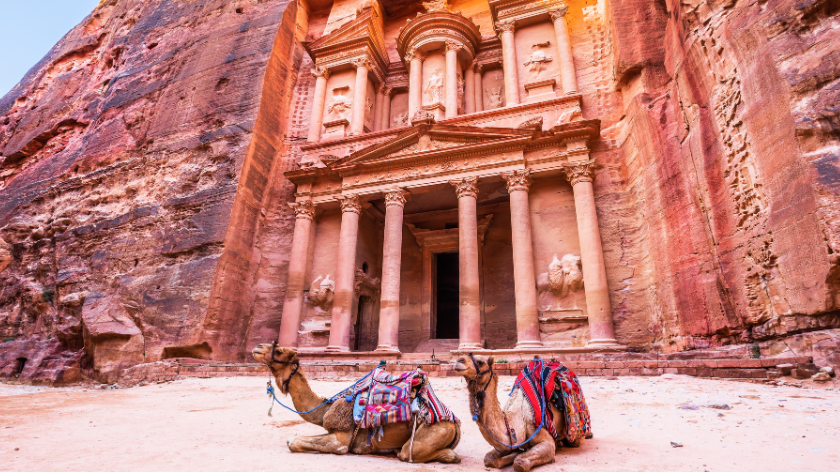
<point>377,109</point>
<point>452,49</point>
<point>357,125</point>
<point>389,306</point>
<point>415,83</point>
<point>564,50</point>
<point>321,76</point>
<point>478,88</point>
<point>345,274</point>
<point>385,112</point>
<point>524,281</point>
<point>601,332</point>
<point>468,290</point>
<point>298,258</point>
<point>469,90</point>
<point>509,63</point>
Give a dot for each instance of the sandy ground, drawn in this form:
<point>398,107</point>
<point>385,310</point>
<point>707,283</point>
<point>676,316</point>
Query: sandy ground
<point>221,425</point>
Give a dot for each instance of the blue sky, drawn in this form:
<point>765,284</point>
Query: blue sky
<point>30,28</point>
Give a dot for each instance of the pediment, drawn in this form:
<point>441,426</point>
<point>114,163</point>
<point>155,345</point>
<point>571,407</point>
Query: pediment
<point>428,140</point>
<point>363,29</point>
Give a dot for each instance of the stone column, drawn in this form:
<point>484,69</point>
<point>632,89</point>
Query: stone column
<point>601,332</point>
<point>469,90</point>
<point>468,290</point>
<point>345,274</point>
<point>298,258</point>
<point>385,113</point>
<point>415,82</point>
<point>377,109</point>
<point>509,62</point>
<point>564,50</point>
<point>524,281</point>
<point>389,306</point>
<point>452,49</point>
<point>357,124</point>
<point>478,88</point>
<point>318,100</point>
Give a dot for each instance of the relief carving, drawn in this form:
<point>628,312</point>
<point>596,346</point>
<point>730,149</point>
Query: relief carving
<point>436,5</point>
<point>321,293</point>
<point>401,120</point>
<point>434,89</point>
<point>537,60</point>
<point>564,278</point>
<point>340,104</point>
<point>569,115</point>
<point>495,96</point>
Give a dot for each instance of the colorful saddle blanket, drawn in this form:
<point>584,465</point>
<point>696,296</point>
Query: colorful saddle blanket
<point>544,382</point>
<point>385,399</point>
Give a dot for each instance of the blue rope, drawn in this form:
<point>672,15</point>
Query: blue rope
<point>542,410</point>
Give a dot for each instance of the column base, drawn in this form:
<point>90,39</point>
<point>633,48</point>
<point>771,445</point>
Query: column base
<point>605,344</point>
<point>470,347</point>
<point>528,344</point>
<point>386,349</point>
<point>337,349</point>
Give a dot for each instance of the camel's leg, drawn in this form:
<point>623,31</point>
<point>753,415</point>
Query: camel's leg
<point>576,443</point>
<point>333,443</point>
<point>498,460</point>
<point>542,453</point>
<point>430,444</point>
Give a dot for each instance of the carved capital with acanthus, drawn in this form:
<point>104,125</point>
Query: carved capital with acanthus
<point>362,62</point>
<point>303,210</point>
<point>319,71</point>
<point>477,67</point>
<point>385,90</point>
<point>558,13</point>
<point>349,203</point>
<point>453,45</point>
<point>517,180</point>
<point>396,197</point>
<point>466,187</point>
<point>506,26</point>
<point>413,54</point>
<point>577,172</point>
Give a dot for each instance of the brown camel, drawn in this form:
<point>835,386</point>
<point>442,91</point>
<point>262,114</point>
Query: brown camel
<point>435,442</point>
<point>511,425</point>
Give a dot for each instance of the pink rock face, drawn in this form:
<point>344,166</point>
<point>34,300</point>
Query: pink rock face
<point>143,207</point>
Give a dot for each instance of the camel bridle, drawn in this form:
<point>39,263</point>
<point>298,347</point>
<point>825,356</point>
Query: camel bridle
<point>480,394</point>
<point>295,363</point>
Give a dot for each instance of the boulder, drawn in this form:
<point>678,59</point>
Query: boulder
<point>821,377</point>
<point>111,338</point>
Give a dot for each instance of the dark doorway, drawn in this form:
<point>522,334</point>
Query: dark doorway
<point>360,314</point>
<point>446,288</point>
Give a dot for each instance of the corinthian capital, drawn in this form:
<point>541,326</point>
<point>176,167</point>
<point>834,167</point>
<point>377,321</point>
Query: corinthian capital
<point>557,13</point>
<point>577,172</point>
<point>517,180</point>
<point>319,71</point>
<point>303,210</point>
<point>349,203</point>
<point>414,53</point>
<point>506,26</point>
<point>466,187</point>
<point>453,45</point>
<point>396,197</point>
<point>361,62</point>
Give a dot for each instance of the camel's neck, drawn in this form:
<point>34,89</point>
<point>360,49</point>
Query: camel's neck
<point>491,418</point>
<point>304,399</point>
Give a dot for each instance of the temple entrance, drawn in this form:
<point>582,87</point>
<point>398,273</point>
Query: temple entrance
<point>361,336</point>
<point>446,296</point>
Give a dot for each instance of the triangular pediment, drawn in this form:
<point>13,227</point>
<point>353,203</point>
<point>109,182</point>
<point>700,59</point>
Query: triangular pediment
<point>363,29</point>
<point>426,140</point>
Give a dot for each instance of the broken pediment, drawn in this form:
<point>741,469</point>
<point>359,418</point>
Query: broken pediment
<point>364,33</point>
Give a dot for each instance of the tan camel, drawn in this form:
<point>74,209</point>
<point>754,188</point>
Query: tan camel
<point>434,442</point>
<point>511,425</point>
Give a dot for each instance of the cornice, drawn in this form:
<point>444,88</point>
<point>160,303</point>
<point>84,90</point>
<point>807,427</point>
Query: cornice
<point>441,23</point>
<point>501,10</point>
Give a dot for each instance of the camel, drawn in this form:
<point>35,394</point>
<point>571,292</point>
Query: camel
<point>517,414</point>
<point>435,442</point>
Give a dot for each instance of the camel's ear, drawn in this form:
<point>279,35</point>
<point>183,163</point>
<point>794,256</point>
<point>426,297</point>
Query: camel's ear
<point>491,360</point>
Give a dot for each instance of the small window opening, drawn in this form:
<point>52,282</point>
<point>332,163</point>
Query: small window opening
<point>21,363</point>
<point>365,268</point>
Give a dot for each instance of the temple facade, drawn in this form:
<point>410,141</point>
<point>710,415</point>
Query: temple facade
<point>444,197</point>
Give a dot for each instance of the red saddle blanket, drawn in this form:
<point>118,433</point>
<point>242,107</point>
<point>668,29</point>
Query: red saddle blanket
<point>551,382</point>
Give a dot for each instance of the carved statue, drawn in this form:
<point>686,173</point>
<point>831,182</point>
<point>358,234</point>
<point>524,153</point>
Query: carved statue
<point>436,5</point>
<point>537,59</point>
<point>340,103</point>
<point>401,120</point>
<point>321,292</point>
<point>434,89</point>
<point>568,115</point>
<point>461,102</point>
<point>563,278</point>
<point>495,96</point>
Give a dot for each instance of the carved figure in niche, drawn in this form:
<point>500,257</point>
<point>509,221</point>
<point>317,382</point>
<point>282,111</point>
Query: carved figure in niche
<point>564,277</point>
<point>461,103</point>
<point>495,95</point>
<point>536,61</point>
<point>340,103</point>
<point>568,115</point>
<point>436,5</point>
<point>321,292</point>
<point>401,120</point>
<point>434,89</point>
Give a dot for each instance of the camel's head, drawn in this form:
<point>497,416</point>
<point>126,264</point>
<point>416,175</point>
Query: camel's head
<point>282,361</point>
<point>475,368</point>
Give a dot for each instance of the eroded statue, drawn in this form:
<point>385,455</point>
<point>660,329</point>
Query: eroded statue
<point>434,89</point>
<point>495,96</point>
<point>569,115</point>
<point>537,60</point>
<point>436,5</point>
<point>563,278</point>
<point>401,120</point>
<point>321,292</point>
<point>340,104</point>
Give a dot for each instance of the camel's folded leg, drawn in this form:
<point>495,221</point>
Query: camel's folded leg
<point>541,453</point>
<point>497,460</point>
<point>431,443</point>
<point>333,443</point>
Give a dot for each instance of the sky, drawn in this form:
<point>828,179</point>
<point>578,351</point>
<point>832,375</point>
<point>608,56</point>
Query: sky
<point>30,28</point>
